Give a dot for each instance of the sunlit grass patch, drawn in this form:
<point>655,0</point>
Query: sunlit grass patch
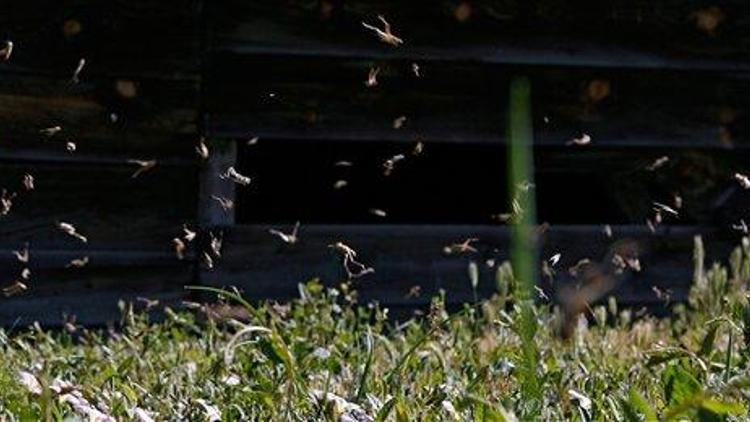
<point>325,356</point>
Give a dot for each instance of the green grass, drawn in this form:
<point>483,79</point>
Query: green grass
<point>282,362</point>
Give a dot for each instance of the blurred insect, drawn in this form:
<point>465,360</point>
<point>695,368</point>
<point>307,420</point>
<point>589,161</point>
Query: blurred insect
<point>189,234</point>
<point>78,262</point>
<point>50,131</point>
<point>113,117</point>
<point>252,141</point>
<point>463,247</point>
<point>398,122</point>
<point>340,184</point>
<point>742,180</point>
<point>17,287</point>
<point>525,186</point>
<point>660,162</point>
<point>541,293</point>
<point>607,230</point>
<point>69,323</point>
<point>148,303</point>
<point>6,202</point>
<point>79,69</point>
<point>23,254</point>
<point>580,265</point>
<point>28,182</point>
<point>593,283</point>
<point>70,230</point>
<point>378,212</point>
<point>390,164</point>
<point>144,166</point>
<point>515,214</point>
<point>554,259</point>
<point>658,207</point>
<point>208,262</point>
<point>621,263</point>
<point>216,242</point>
<point>343,163</point>
<point>742,227</point>
<point>179,248</point>
<point>350,261</point>
<point>677,200</point>
<point>418,148</point>
<point>226,204</point>
<point>414,291</point>
<point>202,149</point>
<point>372,77</point>
<point>583,140</point>
<point>385,34</point>
<point>547,270</point>
<point>26,274</point>
<point>665,295</point>
<point>70,146</point>
<point>7,50</point>
<point>290,238</point>
<point>415,70</point>
<point>236,177</point>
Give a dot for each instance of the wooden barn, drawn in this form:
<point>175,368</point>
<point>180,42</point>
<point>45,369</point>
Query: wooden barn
<point>398,150</point>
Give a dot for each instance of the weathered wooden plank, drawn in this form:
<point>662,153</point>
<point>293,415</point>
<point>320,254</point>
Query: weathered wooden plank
<point>678,36</point>
<point>217,194</point>
<point>407,256</point>
<point>90,293</point>
<point>267,97</point>
<point>104,115</point>
<point>134,38</point>
<point>104,202</point>
<point>91,308</point>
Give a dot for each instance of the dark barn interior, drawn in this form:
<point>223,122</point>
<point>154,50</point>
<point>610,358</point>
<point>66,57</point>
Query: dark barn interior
<point>277,90</point>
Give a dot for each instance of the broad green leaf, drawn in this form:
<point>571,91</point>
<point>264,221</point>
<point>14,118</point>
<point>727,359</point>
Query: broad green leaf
<point>679,385</point>
<point>638,405</point>
<point>722,407</point>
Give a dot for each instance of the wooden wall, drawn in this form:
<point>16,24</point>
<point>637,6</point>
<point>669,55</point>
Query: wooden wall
<point>642,80</point>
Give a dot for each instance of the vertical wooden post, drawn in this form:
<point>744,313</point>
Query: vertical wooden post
<point>223,154</point>
<point>211,215</point>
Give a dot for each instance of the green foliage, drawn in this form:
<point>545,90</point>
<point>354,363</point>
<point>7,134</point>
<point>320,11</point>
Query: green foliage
<point>324,356</point>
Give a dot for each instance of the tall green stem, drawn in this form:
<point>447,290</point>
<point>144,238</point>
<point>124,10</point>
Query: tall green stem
<point>523,243</point>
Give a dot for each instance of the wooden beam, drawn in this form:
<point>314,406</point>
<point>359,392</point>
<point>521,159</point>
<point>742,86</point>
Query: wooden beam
<point>456,103</point>
<point>212,186</point>
<point>405,256</point>
<point>593,35</point>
